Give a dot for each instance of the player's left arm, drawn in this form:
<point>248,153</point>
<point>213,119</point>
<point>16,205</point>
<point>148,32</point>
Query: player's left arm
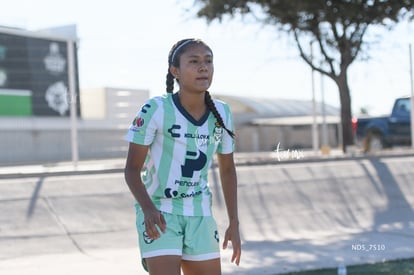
<point>228,179</point>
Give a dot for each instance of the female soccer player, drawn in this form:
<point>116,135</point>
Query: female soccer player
<point>174,139</point>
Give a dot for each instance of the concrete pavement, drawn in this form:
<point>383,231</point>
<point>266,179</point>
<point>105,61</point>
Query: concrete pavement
<point>299,214</point>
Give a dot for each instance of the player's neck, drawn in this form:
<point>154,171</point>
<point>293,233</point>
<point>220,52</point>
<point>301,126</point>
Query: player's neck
<point>192,101</point>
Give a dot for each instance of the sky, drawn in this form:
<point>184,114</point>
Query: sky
<point>125,43</point>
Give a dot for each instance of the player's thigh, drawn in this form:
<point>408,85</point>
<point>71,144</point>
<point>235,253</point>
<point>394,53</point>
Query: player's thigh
<point>208,267</point>
<point>164,265</point>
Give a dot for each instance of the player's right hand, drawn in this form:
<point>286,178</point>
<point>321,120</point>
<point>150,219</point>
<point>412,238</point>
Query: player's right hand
<point>154,221</point>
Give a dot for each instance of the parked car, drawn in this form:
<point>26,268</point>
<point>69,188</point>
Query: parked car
<point>376,133</point>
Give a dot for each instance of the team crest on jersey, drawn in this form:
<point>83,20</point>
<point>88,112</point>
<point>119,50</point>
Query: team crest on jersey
<point>218,133</point>
<point>138,122</point>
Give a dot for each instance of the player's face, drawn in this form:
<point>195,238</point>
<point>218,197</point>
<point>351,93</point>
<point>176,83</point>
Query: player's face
<point>196,69</point>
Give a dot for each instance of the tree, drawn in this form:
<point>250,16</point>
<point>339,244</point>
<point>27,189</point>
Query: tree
<point>337,27</point>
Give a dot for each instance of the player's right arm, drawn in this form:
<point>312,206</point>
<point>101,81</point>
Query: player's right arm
<point>132,172</point>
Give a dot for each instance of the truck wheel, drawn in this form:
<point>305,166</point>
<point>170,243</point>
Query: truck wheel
<point>374,143</point>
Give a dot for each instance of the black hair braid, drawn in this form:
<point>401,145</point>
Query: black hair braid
<point>170,82</point>
<point>212,107</point>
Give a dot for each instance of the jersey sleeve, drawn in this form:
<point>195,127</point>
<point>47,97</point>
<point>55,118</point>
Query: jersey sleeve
<point>227,144</point>
<point>144,126</point>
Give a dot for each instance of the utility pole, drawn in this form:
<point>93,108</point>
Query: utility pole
<point>412,96</point>
<point>315,141</point>
<point>324,125</point>
<point>73,102</point>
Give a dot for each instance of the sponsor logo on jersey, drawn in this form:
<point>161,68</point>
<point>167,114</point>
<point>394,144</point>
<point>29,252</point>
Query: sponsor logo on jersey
<point>138,122</point>
<point>201,139</point>
<point>187,183</point>
<point>194,161</point>
<point>172,131</point>
<point>144,108</point>
<point>169,193</point>
<point>197,136</point>
<point>192,194</point>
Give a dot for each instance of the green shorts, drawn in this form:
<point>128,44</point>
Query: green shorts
<point>194,238</point>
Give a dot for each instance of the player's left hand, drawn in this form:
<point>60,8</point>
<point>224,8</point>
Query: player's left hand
<point>232,234</point>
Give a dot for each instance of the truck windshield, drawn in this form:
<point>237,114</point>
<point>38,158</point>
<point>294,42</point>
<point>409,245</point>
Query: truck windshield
<point>403,105</point>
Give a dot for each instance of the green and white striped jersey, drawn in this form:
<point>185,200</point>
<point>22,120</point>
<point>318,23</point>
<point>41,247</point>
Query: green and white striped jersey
<point>180,154</point>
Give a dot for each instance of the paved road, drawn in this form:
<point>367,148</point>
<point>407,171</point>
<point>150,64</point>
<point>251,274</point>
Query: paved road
<point>294,216</point>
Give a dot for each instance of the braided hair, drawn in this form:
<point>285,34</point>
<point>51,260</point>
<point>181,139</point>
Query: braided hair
<point>174,60</point>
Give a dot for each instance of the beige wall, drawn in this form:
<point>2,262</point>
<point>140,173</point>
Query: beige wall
<point>116,105</point>
<point>93,102</point>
